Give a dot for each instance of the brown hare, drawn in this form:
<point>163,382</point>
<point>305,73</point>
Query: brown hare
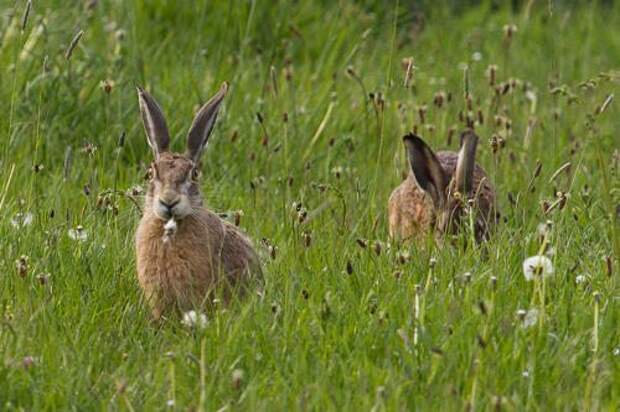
<point>183,251</point>
<point>442,192</point>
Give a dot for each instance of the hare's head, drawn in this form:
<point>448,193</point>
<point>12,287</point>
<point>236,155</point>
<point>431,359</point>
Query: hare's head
<point>449,186</point>
<point>173,177</point>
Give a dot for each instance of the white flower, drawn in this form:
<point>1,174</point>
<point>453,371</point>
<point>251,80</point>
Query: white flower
<point>525,374</point>
<point>531,97</point>
<point>543,229</point>
<point>79,234</point>
<point>530,319</point>
<point>616,351</point>
<point>170,229</point>
<point>580,279</point>
<point>21,219</point>
<point>537,266</point>
<point>192,319</point>
<point>477,56</point>
<point>170,403</point>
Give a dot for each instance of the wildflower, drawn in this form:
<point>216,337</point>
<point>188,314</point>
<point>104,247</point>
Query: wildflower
<point>192,319</point>
<point>21,219</point>
<point>237,378</point>
<point>22,266</point>
<point>532,98</point>
<point>73,44</point>
<point>32,41</point>
<point>616,351</point>
<point>89,149</point>
<point>525,374</point>
<point>510,30</point>
<point>78,234</point>
<point>43,278</point>
<point>543,229</point>
<point>170,403</point>
<point>136,190</point>
<point>579,279</point>
<point>530,318</point>
<point>28,362</point>
<point>477,56</point>
<point>107,85</point>
<point>537,266</point>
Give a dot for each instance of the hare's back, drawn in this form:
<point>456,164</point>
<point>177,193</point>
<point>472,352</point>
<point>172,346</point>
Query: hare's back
<point>410,210</point>
<point>233,248</point>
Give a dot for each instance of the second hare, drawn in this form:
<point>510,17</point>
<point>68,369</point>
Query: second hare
<point>184,251</point>
<point>441,191</point>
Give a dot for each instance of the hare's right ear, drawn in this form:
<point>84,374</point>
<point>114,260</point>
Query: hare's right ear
<point>154,123</point>
<point>428,172</point>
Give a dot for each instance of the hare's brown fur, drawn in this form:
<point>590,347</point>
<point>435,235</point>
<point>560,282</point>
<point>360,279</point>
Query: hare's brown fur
<point>412,213</point>
<point>205,254</point>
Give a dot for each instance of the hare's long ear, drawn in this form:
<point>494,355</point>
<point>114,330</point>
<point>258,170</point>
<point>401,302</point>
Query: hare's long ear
<point>154,123</point>
<point>464,174</point>
<point>203,124</point>
<point>428,172</point>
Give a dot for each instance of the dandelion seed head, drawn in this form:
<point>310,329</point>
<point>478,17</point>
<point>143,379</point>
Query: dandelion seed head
<point>537,266</point>
<point>78,234</point>
<point>544,229</point>
<point>193,319</point>
<point>21,219</point>
<point>530,318</point>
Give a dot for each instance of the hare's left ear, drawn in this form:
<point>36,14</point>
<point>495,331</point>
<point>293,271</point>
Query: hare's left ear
<point>203,124</point>
<point>464,174</point>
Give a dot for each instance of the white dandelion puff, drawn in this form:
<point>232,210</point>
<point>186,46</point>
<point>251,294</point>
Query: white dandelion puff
<point>537,266</point>
<point>170,229</point>
<point>530,318</point>
<point>78,234</point>
<point>21,220</point>
<point>193,319</point>
<point>543,229</point>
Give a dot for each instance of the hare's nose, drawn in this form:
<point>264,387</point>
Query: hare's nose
<point>168,205</point>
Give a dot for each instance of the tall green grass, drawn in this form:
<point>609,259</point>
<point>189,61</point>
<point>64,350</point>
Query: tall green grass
<point>315,117</point>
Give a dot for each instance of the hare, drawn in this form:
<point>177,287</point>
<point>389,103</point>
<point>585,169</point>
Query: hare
<point>441,191</point>
<point>183,251</point>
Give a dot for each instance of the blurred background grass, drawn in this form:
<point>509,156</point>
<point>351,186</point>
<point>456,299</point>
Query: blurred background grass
<point>315,116</point>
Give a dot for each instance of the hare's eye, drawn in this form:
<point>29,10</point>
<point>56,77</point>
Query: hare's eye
<point>150,174</point>
<point>195,173</point>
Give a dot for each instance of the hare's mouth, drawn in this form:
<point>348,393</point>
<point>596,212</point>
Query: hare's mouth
<point>171,210</point>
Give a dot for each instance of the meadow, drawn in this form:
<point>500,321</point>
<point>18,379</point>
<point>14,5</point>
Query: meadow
<point>304,156</point>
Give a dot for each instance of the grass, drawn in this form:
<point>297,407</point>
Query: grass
<point>315,117</point>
